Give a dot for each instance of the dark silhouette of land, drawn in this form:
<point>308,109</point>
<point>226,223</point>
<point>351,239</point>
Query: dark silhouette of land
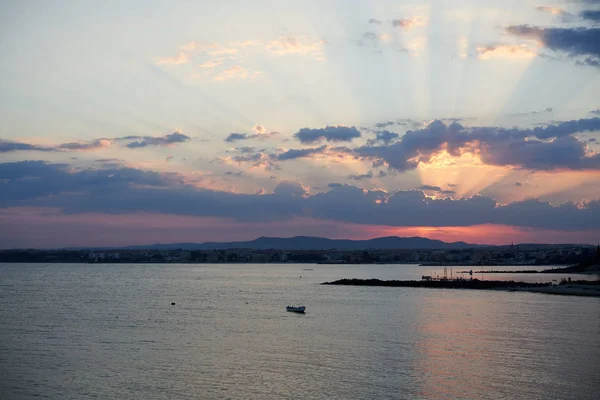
<point>439,283</point>
<point>565,287</point>
<point>313,243</point>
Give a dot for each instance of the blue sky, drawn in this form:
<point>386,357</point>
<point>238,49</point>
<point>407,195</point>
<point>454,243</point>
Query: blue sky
<point>451,102</point>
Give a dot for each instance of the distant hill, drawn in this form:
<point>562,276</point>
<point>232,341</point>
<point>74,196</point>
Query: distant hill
<point>314,243</point>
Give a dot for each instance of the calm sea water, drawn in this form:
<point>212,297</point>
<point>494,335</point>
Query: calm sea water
<point>83,331</point>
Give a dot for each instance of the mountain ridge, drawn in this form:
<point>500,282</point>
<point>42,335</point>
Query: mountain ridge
<point>307,243</point>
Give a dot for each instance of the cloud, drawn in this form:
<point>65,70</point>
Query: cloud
<point>374,21</point>
<point>544,148</point>
<point>145,141</point>
<point>7,146</point>
<point>297,45</point>
<point>257,159</point>
<point>407,23</point>
<point>591,15</point>
<point>133,142</point>
<point>546,110</point>
<point>368,175</point>
<point>181,58</point>
<point>329,133</point>
<point>551,10</point>
<point>233,137</point>
<point>210,64</point>
<point>386,136</point>
<point>505,51</point>
<point>236,136</point>
<point>384,124</point>
<point>596,112</point>
<point>291,189</point>
<point>580,43</point>
<point>91,145</point>
<point>127,190</point>
<point>259,129</point>
<point>231,173</point>
<point>235,72</point>
<point>301,153</point>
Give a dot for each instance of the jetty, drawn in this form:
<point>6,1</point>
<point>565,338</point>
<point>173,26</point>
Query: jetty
<point>578,288</point>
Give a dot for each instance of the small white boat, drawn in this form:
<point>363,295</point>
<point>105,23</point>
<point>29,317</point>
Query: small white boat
<point>299,309</point>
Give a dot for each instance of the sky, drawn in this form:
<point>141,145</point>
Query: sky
<point>138,122</point>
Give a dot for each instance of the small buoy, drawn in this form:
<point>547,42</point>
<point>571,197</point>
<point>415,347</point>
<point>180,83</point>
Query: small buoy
<point>173,303</point>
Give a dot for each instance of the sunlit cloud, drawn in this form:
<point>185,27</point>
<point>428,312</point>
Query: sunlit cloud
<point>224,51</point>
<point>297,45</point>
<point>235,72</point>
<point>578,43</point>
<point>505,51</point>
<point>181,58</point>
<point>408,23</point>
<point>210,64</point>
<point>551,10</point>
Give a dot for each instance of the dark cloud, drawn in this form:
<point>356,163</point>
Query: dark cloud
<point>368,175</point>
<point>329,133</point>
<point>545,148</point>
<point>259,159</point>
<point>261,134</point>
<point>384,124</point>
<point>402,23</point>
<point>300,153</point>
<point>134,142</point>
<point>231,173</point>
<point>145,141</point>
<point>386,136</point>
<point>91,145</point>
<point>236,136</point>
<point>7,146</point>
<point>575,42</point>
<point>375,21</point>
<point>109,160</point>
<point>591,15</point>
<point>127,190</point>
<point>38,179</point>
<point>518,184</point>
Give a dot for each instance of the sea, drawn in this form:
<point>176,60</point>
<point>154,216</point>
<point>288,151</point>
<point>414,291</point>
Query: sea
<point>110,331</point>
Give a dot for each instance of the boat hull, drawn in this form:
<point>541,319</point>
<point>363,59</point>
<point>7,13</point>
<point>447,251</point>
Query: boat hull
<point>299,310</point>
